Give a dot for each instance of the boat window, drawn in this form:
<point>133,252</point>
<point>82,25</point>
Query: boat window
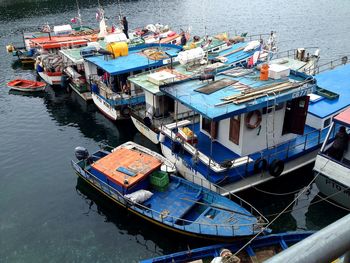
<point>210,127</point>
<point>327,122</point>
<point>235,124</point>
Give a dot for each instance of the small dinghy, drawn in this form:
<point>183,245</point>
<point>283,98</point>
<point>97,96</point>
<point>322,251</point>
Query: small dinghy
<point>26,85</point>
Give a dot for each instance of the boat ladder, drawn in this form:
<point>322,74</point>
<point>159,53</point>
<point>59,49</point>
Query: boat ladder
<point>270,121</point>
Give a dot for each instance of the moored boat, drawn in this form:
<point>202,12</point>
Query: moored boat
<point>260,249</point>
<point>26,85</point>
<point>141,181</point>
<point>252,131</point>
<point>332,166</point>
<point>111,92</point>
<point>216,54</point>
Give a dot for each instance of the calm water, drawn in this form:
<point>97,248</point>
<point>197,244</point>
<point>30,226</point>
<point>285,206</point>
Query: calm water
<point>47,215</point>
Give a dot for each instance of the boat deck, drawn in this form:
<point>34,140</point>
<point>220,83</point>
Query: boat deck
<point>125,164</point>
<point>220,153</point>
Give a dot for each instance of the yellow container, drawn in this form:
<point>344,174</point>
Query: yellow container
<point>118,49</point>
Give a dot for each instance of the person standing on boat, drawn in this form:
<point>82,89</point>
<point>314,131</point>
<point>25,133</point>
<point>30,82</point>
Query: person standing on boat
<point>340,144</point>
<point>125,26</point>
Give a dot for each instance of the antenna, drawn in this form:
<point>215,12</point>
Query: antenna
<point>79,16</point>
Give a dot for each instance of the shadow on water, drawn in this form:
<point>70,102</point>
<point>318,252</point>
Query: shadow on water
<point>68,109</point>
<point>133,225</point>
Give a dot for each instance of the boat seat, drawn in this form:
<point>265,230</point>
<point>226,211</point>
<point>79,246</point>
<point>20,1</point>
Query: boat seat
<point>175,204</point>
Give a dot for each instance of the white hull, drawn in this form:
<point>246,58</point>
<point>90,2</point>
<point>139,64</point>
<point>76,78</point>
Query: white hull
<point>108,110</point>
<point>332,188</point>
<point>196,177</point>
<point>333,179</point>
<point>144,130</point>
<point>51,80</point>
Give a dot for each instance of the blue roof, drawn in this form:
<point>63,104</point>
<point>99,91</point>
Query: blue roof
<point>338,81</point>
<point>205,104</point>
<point>135,60</point>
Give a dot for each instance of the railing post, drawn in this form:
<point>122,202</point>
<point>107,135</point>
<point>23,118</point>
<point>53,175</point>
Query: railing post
<point>305,141</point>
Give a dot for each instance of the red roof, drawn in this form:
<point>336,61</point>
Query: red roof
<point>61,41</point>
<point>343,117</point>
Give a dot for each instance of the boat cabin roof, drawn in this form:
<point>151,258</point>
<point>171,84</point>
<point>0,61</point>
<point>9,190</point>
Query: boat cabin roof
<point>60,41</point>
<point>237,91</point>
<point>73,54</point>
<point>338,81</point>
<point>135,60</point>
<point>182,72</point>
<point>343,118</point>
<point>127,164</point>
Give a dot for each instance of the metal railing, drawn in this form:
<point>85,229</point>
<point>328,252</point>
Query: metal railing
<point>175,222</point>
<point>332,64</point>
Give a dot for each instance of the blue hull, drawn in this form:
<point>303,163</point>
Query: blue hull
<point>278,242</point>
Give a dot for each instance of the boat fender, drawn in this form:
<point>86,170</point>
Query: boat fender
<point>257,115</point>
<point>227,164</point>
<point>125,111</point>
<point>260,165</point>
<point>276,167</point>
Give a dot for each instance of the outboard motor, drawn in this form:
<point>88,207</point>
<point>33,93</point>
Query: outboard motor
<point>81,153</point>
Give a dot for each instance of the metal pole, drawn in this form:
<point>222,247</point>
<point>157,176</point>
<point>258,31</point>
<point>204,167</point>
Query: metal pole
<point>324,246</point>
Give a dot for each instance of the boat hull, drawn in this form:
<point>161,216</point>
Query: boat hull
<point>194,176</point>
<point>109,111</point>
<point>332,180</point>
<point>272,244</point>
<point>181,206</point>
<point>120,201</point>
<point>144,130</point>
<point>53,80</point>
<point>26,85</point>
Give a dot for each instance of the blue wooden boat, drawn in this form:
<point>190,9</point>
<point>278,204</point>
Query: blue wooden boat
<point>137,179</point>
<point>254,125</point>
<point>258,250</point>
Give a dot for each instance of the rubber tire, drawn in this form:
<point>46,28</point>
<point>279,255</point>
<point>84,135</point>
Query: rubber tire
<point>260,165</point>
<point>276,168</point>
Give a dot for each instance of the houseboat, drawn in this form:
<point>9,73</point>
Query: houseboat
<point>254,125</point>
<point>195,63</point>
<point>111,92</point>
<point>141,181</point>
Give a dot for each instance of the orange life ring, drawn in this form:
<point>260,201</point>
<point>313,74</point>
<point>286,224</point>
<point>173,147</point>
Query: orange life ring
<point>249,116</point>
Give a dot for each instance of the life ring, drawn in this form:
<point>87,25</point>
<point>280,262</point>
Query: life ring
<point>249,116</point>
<point>125,111</point>
<point>276,167</point>
<point>260,165</point>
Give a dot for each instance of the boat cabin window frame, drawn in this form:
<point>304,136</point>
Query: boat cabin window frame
<point>211,127</point>
<point>234,129</point>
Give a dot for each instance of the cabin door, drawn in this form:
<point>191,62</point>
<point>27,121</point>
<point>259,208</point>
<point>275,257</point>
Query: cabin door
<point>295,116</point>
